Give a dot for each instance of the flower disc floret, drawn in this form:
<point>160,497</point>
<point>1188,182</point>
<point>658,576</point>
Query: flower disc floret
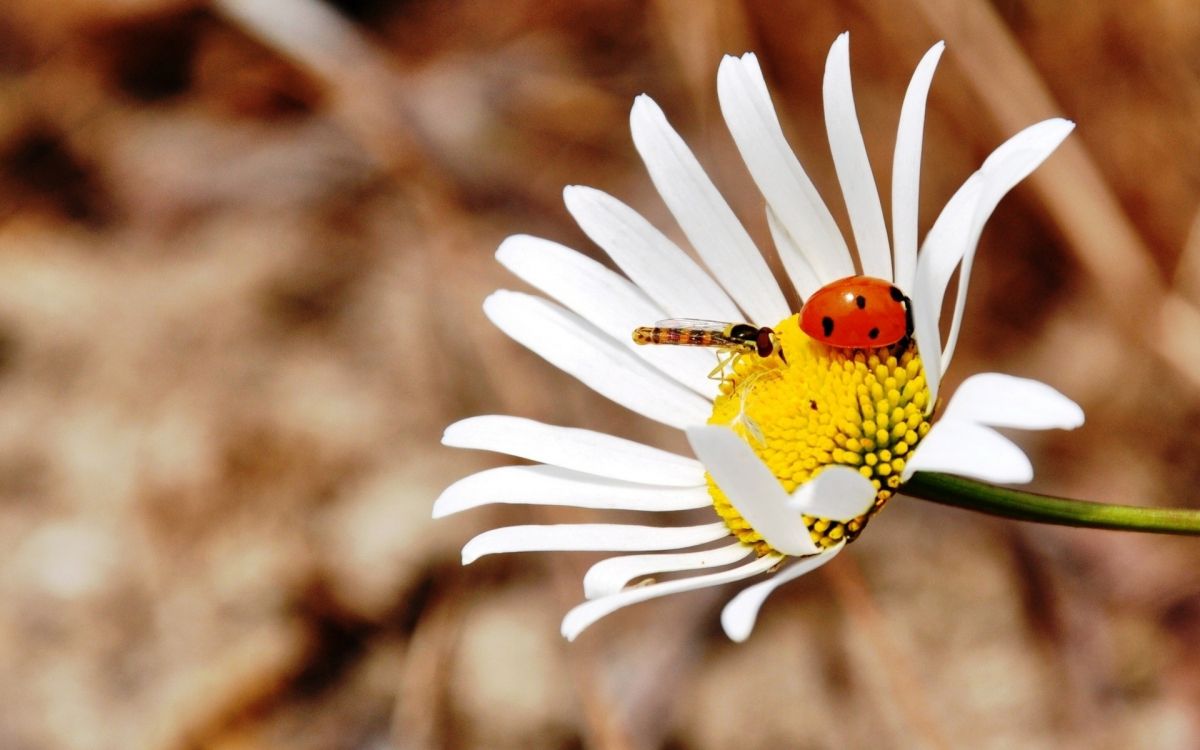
<point>819,406</point>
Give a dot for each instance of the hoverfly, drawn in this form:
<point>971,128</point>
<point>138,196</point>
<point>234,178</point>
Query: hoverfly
<point>734,339</point>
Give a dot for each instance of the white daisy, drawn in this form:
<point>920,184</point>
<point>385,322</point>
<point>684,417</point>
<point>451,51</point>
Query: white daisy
<point>795,455</point>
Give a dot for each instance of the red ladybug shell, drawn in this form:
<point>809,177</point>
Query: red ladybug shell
<point>857,312</point>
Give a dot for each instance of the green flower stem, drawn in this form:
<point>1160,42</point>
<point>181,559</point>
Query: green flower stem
<point>1027,506</point>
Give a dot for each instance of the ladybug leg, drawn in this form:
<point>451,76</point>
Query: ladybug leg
<point>909,327</point>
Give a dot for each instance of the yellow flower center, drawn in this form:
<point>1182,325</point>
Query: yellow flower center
<point>823,406</point>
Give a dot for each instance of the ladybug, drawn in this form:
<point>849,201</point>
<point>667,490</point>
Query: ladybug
<point>857,312</point>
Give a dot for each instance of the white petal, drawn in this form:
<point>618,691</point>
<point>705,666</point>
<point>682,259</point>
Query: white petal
<point>589,612</point>
<point>790,194</point>
<point>658,266</point>
<point>804,278</point>
<point>609,576</point>
<point>704,216</point>
<point>999,400</point>
<point>742,610</point>
<point>753,490</point>
<point>852,165</point>
<point>1007,166</point>
<point>568,342</point>
<point>606,300</point>
<point>906,168</point>
<point>970,450</point>
<point>935,266</point>
<point>944,245</point>
<point>578,282</point>
<point>610,537</point>
<point>838,493</point>
<point>955,235</point>
<point>550,485</point>
<point>572,448</point>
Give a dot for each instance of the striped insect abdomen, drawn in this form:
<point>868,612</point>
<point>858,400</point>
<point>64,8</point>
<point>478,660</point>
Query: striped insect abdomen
<point>678,336</point>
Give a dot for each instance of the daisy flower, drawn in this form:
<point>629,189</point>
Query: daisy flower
<point>796,447</point>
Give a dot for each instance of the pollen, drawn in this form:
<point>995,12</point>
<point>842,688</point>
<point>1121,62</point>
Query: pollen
<point>819,406</point>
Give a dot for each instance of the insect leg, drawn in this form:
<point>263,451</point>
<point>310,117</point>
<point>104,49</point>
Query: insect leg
<point>725,360</point>
<point>743,419</point>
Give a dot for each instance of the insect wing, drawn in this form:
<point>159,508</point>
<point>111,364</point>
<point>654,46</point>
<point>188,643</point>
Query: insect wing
<point>694,324</point>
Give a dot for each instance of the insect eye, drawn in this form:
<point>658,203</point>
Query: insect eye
<point>765,342</point>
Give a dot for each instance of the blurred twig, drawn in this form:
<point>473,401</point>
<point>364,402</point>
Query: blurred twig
<point>910,697</point>
<point>367,97</point>
<point>420,700</point>
<point>605,729</point>
<point>1072,187</point>
<point>1186,279</point>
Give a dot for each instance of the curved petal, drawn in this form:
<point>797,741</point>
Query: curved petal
<point>838,493</point>
<point>753,490</point>
<point>853,167</point>
<point>589,537</point>
<point>804,278</point>
<point>943,247</point>
<point>704,216</point>
<point>970,450</point>
<point>906,168</point>
<point>606,300</point>
<point>935,266</point>
<point>1007,166</point>
<point>551,485</point>
<point>999,400</point>
<point>583,615</point>
<point>658,266</point>
<point>564,340</point>
<point>955,234</point>
<point>586,451</point>
<point>790,194</point>
<point>608,577</point>
<point>741,612</point>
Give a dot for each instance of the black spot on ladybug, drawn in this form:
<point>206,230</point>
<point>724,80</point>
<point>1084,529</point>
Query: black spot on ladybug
<point>897,294</point>
<point>812,404</point>
<point>861,301</point>
<point>827,326</point>
<point>873,333</point>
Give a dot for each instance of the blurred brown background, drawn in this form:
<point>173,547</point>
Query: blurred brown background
<point>242,250</point>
